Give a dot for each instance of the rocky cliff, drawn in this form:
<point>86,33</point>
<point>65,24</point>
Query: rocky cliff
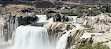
<point>8,24</point>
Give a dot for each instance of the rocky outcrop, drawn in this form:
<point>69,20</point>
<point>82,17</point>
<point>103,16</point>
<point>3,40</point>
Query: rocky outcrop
<point>100,23</point>
<point>80,20</point>
<point>8,24</point>
<point>61,18</point>
<point>56,29</point>
<point>26,20</point>
<point>104,39</point>
<point>74,39</point>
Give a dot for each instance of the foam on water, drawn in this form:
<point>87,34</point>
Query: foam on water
<point>31,37</point>
<point>61,44</point>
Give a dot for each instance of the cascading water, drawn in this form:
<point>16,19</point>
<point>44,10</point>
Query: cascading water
<point>85,22</point>
<point>42,18</point>
<point>61,44</point>
<point>31,37</point>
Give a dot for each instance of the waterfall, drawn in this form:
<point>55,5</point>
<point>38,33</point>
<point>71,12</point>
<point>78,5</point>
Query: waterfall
<point>61,44</point>
<point>85,22</point>
<point>43,18</point>
<point>31,37</point>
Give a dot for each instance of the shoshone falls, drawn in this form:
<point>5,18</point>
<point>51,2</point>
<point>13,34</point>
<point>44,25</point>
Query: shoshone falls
<point>32,37</point>
<point>36,37</point>
<point>55,24</point>
<point>48,34</point>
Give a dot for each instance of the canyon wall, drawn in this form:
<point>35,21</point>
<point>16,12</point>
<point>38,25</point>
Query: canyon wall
<point>86,1</point>
<point>8,24</point>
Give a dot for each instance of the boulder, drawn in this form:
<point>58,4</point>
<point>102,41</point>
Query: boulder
<point>80,20</point>
<point>105,39</point>
<point>60,18</point>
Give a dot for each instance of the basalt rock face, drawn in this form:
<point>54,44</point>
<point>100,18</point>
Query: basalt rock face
<point>8,24</point>
<point>26,20</point>
<point>38,4</point>
<point>60,18</point>
<point>56,29</point>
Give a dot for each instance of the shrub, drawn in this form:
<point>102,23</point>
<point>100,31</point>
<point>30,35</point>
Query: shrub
<point>90,46</point>
<point>80,15</point>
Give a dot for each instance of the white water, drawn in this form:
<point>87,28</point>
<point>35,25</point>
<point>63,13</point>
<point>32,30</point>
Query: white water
<point>43,18</point>
<point>79,26</point>
<point>85,22</point>
<point>61,44</point>
<point>31,37</point>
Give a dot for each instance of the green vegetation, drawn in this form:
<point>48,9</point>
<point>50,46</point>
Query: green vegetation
<point>80,15</point>
<point>68,13</point>
<point>89,10</point>
<point>105,8</point>
<point>58,7</point>
<point>90,46</point>
<point>74,6</point>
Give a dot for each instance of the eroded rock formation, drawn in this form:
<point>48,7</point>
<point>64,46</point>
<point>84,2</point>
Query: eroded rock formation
<point>8,24</point>
<point>104,39</point>
<point>61,18</point>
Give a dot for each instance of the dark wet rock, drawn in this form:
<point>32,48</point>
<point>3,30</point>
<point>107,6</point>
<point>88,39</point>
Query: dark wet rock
<point>26,20</point>
<point>51,11</point>
<point>27,10</point>
<point>60,18</point>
